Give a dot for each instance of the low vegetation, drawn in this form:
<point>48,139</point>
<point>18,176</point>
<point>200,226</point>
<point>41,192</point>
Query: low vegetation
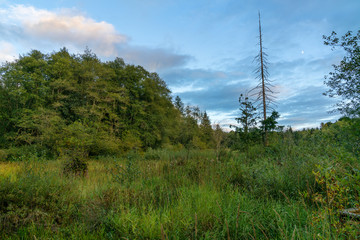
<point>293,189</point>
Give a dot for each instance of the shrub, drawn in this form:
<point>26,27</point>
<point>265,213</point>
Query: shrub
<point>27,152</point>
<point>334,197</point>
<point>3,155</point>
<point>75,165</point>
<point>152,155</point>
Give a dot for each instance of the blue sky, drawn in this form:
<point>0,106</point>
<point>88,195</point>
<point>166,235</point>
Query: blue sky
<point>203,49</point>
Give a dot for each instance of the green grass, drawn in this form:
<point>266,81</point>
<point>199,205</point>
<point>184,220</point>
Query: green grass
<point>166,195</point>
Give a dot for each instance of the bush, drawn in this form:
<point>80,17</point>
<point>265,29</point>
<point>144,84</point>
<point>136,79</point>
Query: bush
<point>152,155</point>
<point>3,155</point>
<point>76,166</point>
<point>28,152</point>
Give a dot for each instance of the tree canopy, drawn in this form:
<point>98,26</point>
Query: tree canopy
<point>76,103</point>
<point>344,81</point>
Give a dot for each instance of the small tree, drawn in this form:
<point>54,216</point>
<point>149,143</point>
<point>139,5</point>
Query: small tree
<point>206,131</point>
<point>270,124</point>
<point>247,120</point>
<point>344,82</point>
<point>248,115</point>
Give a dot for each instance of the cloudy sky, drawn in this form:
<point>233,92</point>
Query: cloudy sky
<point>203,49</point>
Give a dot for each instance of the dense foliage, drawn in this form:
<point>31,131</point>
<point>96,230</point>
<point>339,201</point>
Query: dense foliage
<point>65,104</point>
<point>344,82</point>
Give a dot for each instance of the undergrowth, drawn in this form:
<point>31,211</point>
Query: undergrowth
<point>163,194</point>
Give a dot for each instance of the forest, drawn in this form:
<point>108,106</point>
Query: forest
<point>93,149</point>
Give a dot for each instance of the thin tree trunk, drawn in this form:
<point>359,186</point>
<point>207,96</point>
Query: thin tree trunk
<point>263,83</point>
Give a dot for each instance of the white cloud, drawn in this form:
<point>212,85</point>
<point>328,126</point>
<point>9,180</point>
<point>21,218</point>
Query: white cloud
<point>30,27</point>
<point>7,51</point>
<point>63,27</point>
<point>183,89</point>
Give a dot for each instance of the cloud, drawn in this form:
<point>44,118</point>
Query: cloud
<point>39,28</point>
<point>298,82</point>
<point>307,108</point>
<point>214,91</point>
<point>63,27</point>
<point>153,59</point>
<point>7,52</point>
<point>201,77</point>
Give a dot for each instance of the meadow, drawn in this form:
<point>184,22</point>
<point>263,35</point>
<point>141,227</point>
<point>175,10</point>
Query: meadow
<point>285,191</point>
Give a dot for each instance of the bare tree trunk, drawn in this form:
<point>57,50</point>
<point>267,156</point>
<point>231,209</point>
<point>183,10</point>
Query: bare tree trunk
<point>263,83</point>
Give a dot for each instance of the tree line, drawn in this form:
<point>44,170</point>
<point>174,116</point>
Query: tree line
<point>66,103</point>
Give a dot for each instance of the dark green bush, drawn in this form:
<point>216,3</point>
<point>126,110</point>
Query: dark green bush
<point>152,155</point>
<point>3,155</point>
<point>76,166</point>
<point>28,153</point>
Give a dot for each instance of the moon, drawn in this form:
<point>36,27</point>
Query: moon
<point>302,52</point>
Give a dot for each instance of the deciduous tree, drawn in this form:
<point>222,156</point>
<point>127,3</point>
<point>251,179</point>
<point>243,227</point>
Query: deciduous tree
<point>344,81</point>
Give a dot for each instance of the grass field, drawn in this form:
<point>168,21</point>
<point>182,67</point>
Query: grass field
<point>170,195</point>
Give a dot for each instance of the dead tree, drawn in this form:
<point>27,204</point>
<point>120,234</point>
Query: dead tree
<point>263,91</point>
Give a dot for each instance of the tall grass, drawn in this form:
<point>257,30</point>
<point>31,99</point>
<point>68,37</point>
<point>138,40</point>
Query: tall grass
<point>163,194</point>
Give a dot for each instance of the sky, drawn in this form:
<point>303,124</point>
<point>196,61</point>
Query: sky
<point>203,49</point>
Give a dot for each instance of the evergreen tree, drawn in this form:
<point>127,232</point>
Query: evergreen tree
<point>206,131</point>
<point>179,105</point>
<point>248,115</point>
<point>270,124</point>
<point>247,120</point>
